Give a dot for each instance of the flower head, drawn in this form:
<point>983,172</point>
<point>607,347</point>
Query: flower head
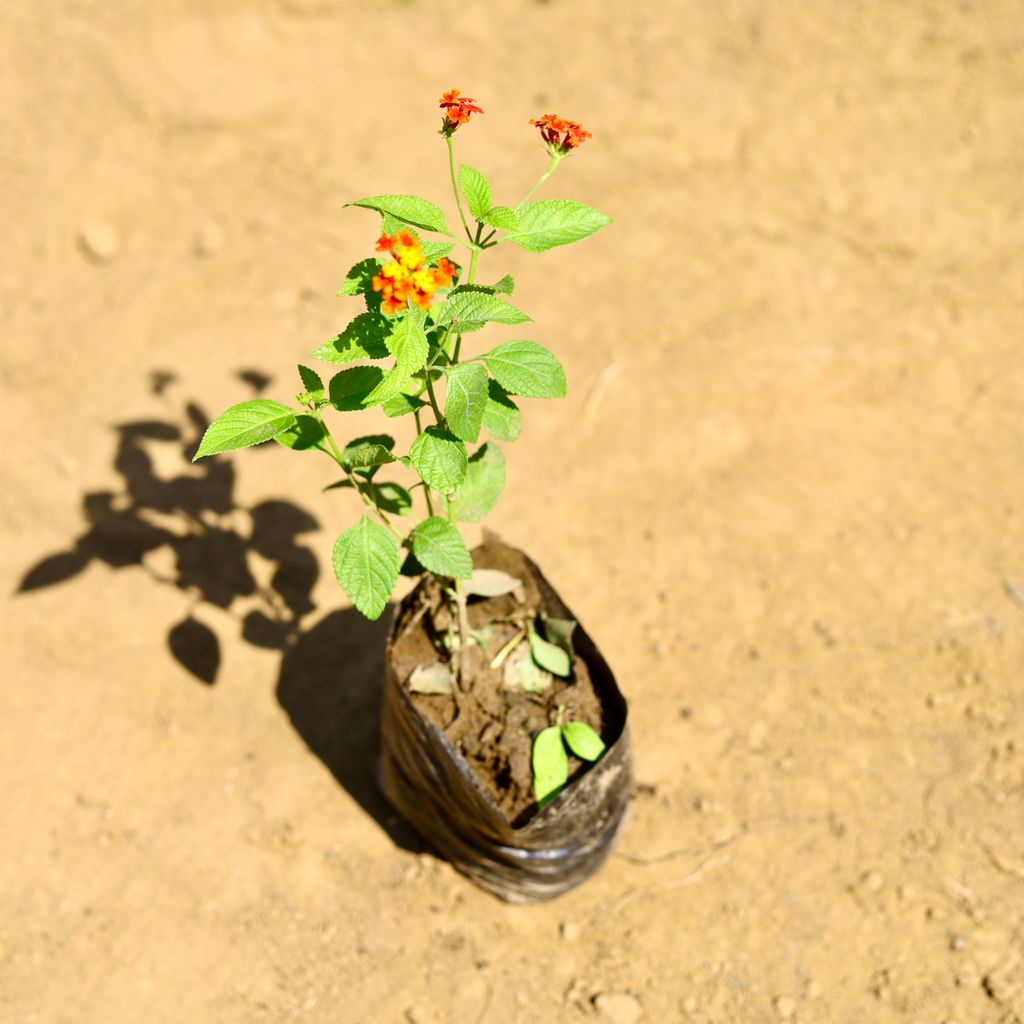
<point>457,110</point>
<point>561,134</point>
<point>407,276</point>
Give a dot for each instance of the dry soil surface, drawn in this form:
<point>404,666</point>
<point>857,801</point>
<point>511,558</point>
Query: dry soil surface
<point>785,494</point>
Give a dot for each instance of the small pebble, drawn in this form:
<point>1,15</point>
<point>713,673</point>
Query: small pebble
<point>784,1007</point>
<point>569,930</point>
<point>957,942</point>
<point>872,881</point>
<point>618,1007</point>
<point>100,242</point>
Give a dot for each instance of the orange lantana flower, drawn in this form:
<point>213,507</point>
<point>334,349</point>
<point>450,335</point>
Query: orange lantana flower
<point>457,110</point>
<point>560,133</point>
<point>408,276</point>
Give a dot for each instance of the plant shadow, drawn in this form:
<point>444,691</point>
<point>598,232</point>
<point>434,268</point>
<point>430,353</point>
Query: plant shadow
<point>330,687</point>
<point>182,524</point>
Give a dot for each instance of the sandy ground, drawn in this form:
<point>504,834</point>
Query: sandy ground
<point>784,494</point>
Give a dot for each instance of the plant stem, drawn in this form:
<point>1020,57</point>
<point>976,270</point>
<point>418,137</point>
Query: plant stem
<point>433,401</point>
<point>556,159</point>
<point>335,454</point>
<point>455,187</point>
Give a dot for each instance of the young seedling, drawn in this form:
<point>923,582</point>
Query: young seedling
<point>404,354</point>
<point>550,761</point>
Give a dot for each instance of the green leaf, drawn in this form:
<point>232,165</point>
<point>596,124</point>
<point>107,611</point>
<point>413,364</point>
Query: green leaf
<point>465,399</point>
<point>583,741</point>
<point>470,308</point>
<point>502,218</point>
<point>391,384</point>
<point>359,279</point>
<point>391,498</point>
<point>476,190</point>
<point>407,341</point>
<point>559,632</point>
<point>420,213</point>
<point>550,764</point>
<point>311,380</point>
<point>548,656</point>
<point>440,459</point>
<point>506,285</point>
<point>308,432</point>
<point>433,251</point>
<point>349,388</point>
<point>402,404</point>
<point>364,338</point>
<point>551,222</point>
<point>532,679</point>
<point>439,547</point>
<point>245,424</point>
<point>485,480</point>
<point>502,419</point>
<point>528,369</point>
<point>366,563</point>
<point>372,450</point>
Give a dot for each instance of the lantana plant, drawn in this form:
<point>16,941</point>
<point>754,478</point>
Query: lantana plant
<point>404,352</point>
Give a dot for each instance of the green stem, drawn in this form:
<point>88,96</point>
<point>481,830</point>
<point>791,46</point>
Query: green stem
<point>335,453</point>
<point>433,401</point>
<point>455,187</point>
<point>426,489</point>
<point>556,159</point>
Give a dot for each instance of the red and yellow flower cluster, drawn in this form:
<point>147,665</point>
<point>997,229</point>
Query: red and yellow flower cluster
<point>457,109</point>
<point>408,275</point>
<point>560,133</point>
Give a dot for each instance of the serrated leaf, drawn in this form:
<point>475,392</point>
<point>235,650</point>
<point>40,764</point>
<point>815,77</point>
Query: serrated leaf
<point>308,432</point>
<point>507,285</point>
<point>548,656</point>
<point>476,190</point>
<point>401,405</point>
<point>366,562</point>
<point>502,218</point>
<point>552,222</point>
<point>245,424</point>
<point>528,369</point>
<point>407,342</point>
<point>550,764</point>
<point>502,419</point>
<point>349,389</point>
<point>391,498</point>
<point>470,308</point>
<point>465,399</point>
<point>430,679</point>
<point>364,338</point>
<point>433,251</point>
<point>311,380</point>
<point>420,213</point>
<point>372,450</point>
<point>491,583</point>
<point>440,459</point>
<point>484,482</point>
<point>389,225</point>
<point>359,280</point>
<point>439,547</point>
<point>391,384</point>
<point>583,741</point>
